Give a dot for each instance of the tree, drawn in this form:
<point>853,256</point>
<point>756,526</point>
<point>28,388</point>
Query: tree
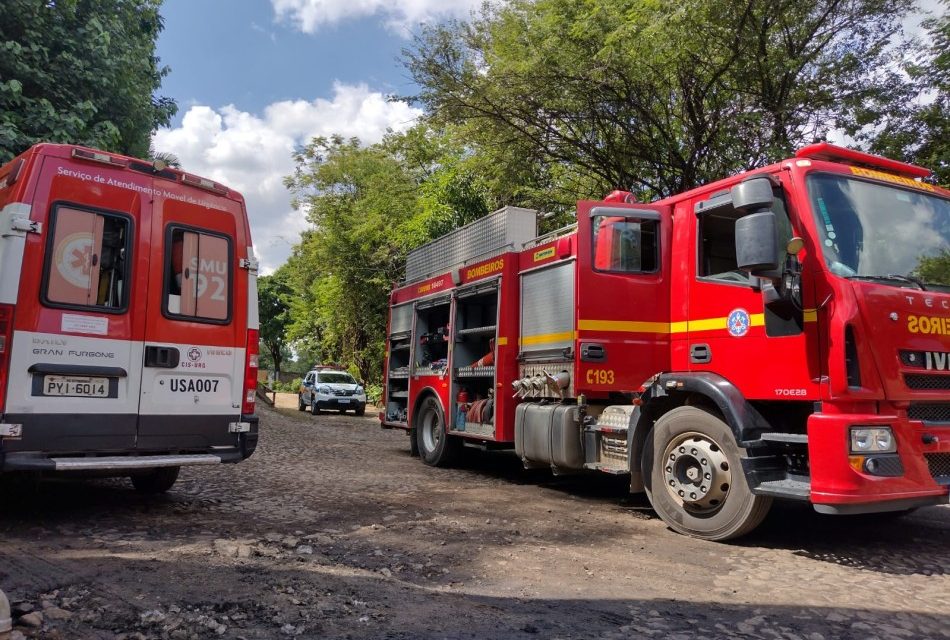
<point>359,200</point>
<point>273,296</point>
<point>369,205</point>
<point>574,99</point>
<point>80,71</point>
<point>918,130</point>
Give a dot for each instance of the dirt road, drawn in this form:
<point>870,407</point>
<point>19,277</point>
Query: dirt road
<point>331,530</point>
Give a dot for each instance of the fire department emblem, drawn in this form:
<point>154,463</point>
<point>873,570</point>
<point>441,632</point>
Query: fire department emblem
<point>738,322</point>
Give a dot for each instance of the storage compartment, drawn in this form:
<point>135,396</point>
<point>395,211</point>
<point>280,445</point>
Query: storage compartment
<point>473,360</point>
<point>431,347</point>
<point>397,385</point>
<point>400,359</point>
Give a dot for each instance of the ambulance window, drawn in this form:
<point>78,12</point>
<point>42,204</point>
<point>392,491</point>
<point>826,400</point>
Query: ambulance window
<point>625,245</point>
<point>87,261</point>
<point>197,276</point>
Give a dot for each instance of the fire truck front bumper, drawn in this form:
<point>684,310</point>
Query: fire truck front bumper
<point>876,463</point>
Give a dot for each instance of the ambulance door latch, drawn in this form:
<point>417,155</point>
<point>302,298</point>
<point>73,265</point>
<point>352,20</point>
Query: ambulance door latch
<point>23,224</point>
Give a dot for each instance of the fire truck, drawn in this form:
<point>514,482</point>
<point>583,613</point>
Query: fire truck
<point>128,318</point>
<point>783,334</point>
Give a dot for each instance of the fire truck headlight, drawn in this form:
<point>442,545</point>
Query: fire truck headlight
<point>872,440</point>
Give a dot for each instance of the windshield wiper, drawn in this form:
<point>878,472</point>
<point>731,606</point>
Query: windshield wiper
<point>892,276</point>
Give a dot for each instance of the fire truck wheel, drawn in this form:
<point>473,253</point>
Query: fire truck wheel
<point>436,447</point>
<point>694,479</point>
<point>155,481</point>
<point>314,409</point>
<point>301,405</point>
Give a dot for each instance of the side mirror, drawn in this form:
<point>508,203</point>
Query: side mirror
<point>756,244</point>
<point>752,195</point>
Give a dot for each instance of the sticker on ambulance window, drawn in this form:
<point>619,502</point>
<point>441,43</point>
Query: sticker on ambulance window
<point>87,260</point>
<point>198,276</point>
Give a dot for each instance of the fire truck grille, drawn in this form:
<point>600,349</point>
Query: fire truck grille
<point>939,466</point>
<point>924,382</point>
<point>935,412</point>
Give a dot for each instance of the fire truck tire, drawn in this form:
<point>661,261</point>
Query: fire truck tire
<point>314,409</point>
<point>155,481</point>
<point>301,405</point>
<point>693,476</point>
<point>436,447</point>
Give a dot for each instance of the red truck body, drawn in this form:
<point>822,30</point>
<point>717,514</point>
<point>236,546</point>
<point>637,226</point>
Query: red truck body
<point>643,341</point>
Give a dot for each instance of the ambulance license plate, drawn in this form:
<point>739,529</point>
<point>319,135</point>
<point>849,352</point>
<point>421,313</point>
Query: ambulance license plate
<point>76,386</point>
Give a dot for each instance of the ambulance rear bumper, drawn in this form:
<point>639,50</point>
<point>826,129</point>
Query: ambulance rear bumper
<point>103,443</point>
<point>26,462</point>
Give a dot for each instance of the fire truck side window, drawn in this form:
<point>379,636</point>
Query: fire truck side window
<point>717,242</point>
<point>87,260</point>
<point>624,245</point>
<point>197,276</point>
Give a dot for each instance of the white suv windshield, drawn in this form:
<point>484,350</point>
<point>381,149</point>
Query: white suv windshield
<point>335,378</point>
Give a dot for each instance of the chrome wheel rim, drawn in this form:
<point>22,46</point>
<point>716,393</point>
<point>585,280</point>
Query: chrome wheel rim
<point>697,472</point>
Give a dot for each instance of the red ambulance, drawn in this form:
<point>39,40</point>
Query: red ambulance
<point>128,318</point>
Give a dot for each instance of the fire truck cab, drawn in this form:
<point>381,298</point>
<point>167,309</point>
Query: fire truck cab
<point>128,318</point>
<point>781,334</point>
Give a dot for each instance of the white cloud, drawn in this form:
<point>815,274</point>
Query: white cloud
<point>252,153</point>
<point>400,15</point>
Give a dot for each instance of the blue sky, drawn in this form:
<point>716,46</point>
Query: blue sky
<point>226,52</point>
<point>253,79</point>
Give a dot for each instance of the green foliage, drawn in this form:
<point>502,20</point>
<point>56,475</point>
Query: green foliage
<point>286,387</point>
<point>918,129</point>
<point>273,300</point>
<point>374,394</point>
<point>369,205</point>
<point>80,71</point>
<point>934,269</point>
<point>566,100</point>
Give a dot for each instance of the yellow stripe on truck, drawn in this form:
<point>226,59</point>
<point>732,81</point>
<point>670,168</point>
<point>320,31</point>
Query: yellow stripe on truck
<point>547,338</point>
<point>682,326</point>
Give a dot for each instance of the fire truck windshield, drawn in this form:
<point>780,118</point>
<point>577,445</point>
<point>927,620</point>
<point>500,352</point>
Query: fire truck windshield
<point>872,231</point>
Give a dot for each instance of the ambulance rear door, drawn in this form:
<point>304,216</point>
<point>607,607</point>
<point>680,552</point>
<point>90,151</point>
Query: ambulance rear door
<point>74,368</point>
<point>196,327</point>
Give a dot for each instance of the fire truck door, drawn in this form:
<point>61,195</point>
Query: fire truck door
<point>760,349</point>
<point>194,352</point>
<point>622,298</point>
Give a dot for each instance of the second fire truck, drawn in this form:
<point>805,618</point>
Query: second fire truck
<point>780,334</point>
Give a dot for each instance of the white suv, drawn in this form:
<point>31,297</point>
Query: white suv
<point>325,388</point>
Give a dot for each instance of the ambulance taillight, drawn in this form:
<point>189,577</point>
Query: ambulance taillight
<point>6,340</point>
<point>250,373</point>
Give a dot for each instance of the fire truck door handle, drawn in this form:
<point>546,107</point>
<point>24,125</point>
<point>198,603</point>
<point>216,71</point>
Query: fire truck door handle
<point>161,357</point>
<point>593,352</point>
<point>700,354</point>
